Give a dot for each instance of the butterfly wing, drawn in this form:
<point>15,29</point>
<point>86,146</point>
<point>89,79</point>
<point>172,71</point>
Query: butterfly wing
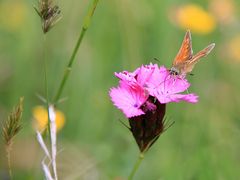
<point>203,53</point>
<point>185,52</point>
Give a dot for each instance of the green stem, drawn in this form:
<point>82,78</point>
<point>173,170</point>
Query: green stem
<point>136,166</point>
<point>46,88</point>
<point>46,82</point>
<point>68,69</point>
<point>8,149</point>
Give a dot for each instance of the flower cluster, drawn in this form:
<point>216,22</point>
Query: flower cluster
<point>136,89</point>
<point>142,96</point>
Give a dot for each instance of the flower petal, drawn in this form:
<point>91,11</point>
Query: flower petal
<point>126,76</point>
<point>165,87</point>
<point>128,100</point>
<point>157,79</point>
<point>145,73</point>
<point>191,98</point>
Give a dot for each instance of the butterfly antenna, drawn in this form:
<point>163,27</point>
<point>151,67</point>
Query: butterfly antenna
<point>165,79</point>
<point>164,82</point>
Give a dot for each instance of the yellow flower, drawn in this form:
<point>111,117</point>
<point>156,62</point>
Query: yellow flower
<point>12,15</point>
<point>233,48</point>
<point>40,116</point>
<point>223,10</point>
<point>195,18</point>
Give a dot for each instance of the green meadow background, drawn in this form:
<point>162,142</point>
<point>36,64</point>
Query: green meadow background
<point>204,142</point>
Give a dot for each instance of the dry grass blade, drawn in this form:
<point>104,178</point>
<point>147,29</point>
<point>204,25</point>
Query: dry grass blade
<point>43,145</point>
<point>11,128</point>
<point>52,156</point>
<point>53,131</point>
<point>46,171</point>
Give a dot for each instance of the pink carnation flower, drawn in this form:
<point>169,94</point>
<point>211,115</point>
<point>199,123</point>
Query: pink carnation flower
<point>142,96</point>
<point>129,99</point>
<point>135,89</point>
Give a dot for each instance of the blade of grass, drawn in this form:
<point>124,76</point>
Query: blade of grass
<point>46,82</point>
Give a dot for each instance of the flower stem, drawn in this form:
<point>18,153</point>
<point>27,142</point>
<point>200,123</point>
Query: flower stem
<point>136,166</point>
<point>68,69</point>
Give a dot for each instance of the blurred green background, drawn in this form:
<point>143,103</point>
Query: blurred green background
<point>204,142</point>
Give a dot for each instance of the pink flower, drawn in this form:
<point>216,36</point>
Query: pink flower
<point>135,88</point>
<point>167,88</point>
<point>142,96</point>
<point>129,99</point>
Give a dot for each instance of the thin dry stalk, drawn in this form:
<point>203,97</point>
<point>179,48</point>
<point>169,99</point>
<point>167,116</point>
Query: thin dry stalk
<point>10,129</point>
<point>53,131</point>
<point>50,156</point>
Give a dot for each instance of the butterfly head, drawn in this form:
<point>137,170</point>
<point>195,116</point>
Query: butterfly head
<point>174,71</point>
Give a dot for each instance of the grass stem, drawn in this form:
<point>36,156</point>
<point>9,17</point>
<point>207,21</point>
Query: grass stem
<point>8,149</point>
<point>47,98</point>
<point>46,82</point>
<point>68,69</point>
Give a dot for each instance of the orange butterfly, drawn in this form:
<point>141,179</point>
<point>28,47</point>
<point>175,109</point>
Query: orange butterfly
<point>185,61</point>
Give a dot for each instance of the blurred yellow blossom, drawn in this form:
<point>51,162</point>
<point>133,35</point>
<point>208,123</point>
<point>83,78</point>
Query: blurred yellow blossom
<point>40,116</point>
<point>195,18</point>
<point>233,48</point>
<point>12,14</point>
<point>223,10</point>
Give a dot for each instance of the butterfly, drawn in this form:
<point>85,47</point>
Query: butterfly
<point>185,61</point>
